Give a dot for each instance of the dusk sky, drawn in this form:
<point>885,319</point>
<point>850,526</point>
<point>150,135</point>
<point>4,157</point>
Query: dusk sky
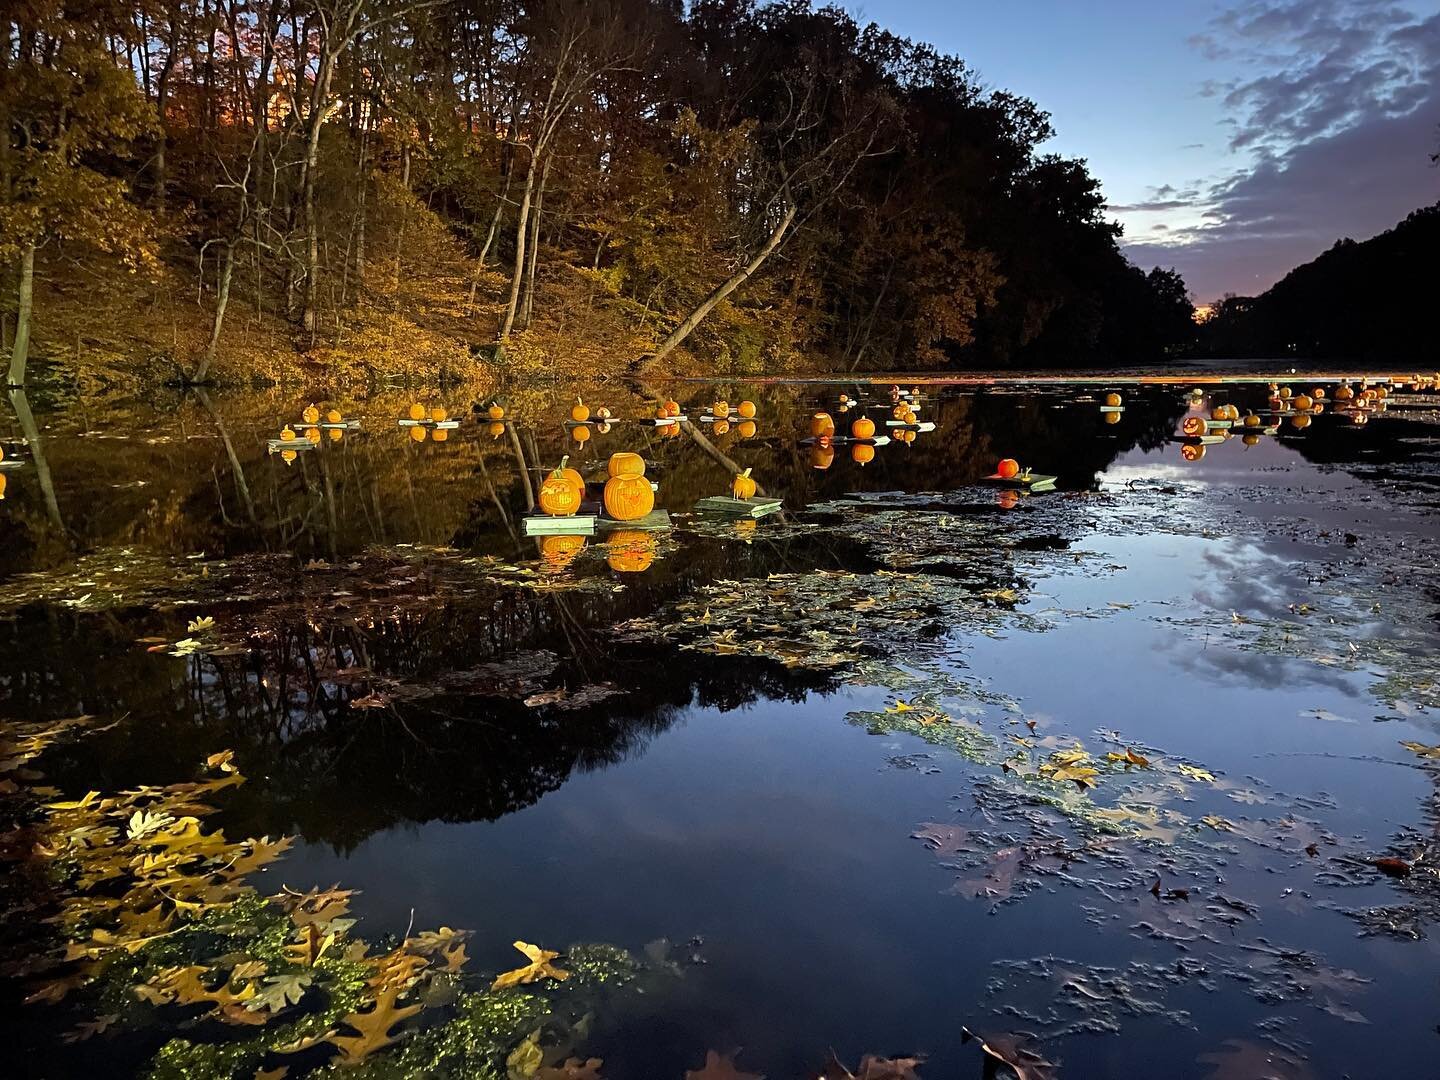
<point>1234,140</point>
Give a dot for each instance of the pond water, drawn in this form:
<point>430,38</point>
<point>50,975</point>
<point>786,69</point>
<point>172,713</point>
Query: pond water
<point>1141,771</point>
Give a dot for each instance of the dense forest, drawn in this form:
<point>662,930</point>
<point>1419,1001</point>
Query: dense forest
<point>195,186</point>
<point>1357,301</point>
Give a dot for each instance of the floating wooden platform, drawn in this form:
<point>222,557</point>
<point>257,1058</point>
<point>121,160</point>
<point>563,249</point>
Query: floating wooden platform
<point>725,504</point>
<point>1112,408</point>
<point>848,440</point>
<point>441,425</point>
<point>539,524</point>
<point>654,521</point>
<point>1199,440</point>
<point>344,425</point>
<point>926,425</point>
<point>276,445</point>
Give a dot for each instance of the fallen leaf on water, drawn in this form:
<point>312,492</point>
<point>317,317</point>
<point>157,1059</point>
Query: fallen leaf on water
<point>538,968</point>
<point>1421,749</point>
<point>1195,773</point>
<point>1129,757</point>
<point>871,1067</point>
<point>1392,866</point>
<point>1008,1049</point>
<point>373,1029</point>
<point>571,1069</point>
<point>720,1067</point>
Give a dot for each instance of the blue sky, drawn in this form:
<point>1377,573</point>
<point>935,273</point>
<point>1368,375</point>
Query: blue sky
<point>1234,139</point>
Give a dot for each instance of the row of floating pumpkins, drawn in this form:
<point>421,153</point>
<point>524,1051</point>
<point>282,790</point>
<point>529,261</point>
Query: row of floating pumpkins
<point>628,495</point>
<point>628,551</point>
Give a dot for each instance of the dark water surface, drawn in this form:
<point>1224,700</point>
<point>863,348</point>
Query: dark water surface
<point>1265,616</point>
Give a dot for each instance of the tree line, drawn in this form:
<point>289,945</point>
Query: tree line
<point>749,180</point>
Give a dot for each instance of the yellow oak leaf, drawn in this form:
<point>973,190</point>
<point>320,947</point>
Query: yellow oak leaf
<point>372,1029</point>
<point>538,968</point>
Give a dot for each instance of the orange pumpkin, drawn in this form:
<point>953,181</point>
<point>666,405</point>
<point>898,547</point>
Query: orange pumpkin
<point>496,411</point>
<point>1110,418</point>
<point>1300,421</point>
<point>581,434</point>
<point>602,413</point>
<point>336,434</point>
<point>560,495</point>
<point>672,408</point>
<point>603,428</point>
<point>1317,409</point>
<point>721,408</point>
<point>746,429</point>
<point>1318,393</point>
<point>628,498</point>
<point>287,433</point>
<point>822,457</point>
<point>333,417</point>
<point>439,435</point>
<point>559,551</point>
<point>1112,400</point>
<point>901,412</point>
<point>821,424</point>
<point>743,486</point>
<point>630,551</point>
<point>1192,451</point>
<point>746,409</point>
<point>1304,402</point>
<point>496,429</point>
<point>418,434</point>
<point>311,414</point>
<point>722,427</point>
<point>862,453</point>
<point>1357,417</point>
<point>1219,413</point>
<point>907,437</point>
<point>1250,439</point>
<point>287,456</point>
<point>1008,468</point>
<point>626,464</point>
<point>1344,393</point>
<point>417,411</point>
<point>570,474</point>
<point>670,431</point>
<point>1286,392</point>
<point>863,428</point>
<point>5,480</point>
<point>439,415</point>
<point>580,411</point>
<point>313,435</point>
<point>1382,391</point>
<point>1007,499</point>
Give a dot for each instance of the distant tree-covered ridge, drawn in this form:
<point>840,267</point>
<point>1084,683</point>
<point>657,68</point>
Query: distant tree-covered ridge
<point>1358,301</point>
<point>539,182</point>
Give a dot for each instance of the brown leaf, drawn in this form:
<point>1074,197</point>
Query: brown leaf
<point>872,1067</point>
<point>538,968</point>
<point>571,1069</point>
<point>1007,1049</point>
<point>720,1067</point>
<point>373,1029</point>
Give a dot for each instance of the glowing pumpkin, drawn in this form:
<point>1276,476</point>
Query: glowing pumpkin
<point>287,456</point>
<point>496,429</point>
<point>439,435</point>
<point>334,417</point>
<point>1112,400</point>
<point>5,480</point>
<point>311,414</point>
<point>1286,392</point>
<point>418,434</point>
<point>603,428</point>
<point>628,498</point>
<point>721,408</point>
<point>722,427</point>
<point>862,453</point>
<point>1008,468</point>
<point>496,411</point>
<point>336,434</point>
<point>672,408</point>
<point>1300,421</point>
<point>1359,418</point>
<point>746,409</point>
<point>671,431</point>
<point>901,412</point>
<point>863,428</point>
<point>1250,439</point>
<point>602,413</point>
<point>558,552</point>
<point>1318,393</point>
<point>417,411</point>
<point>439,415</point>
<point>286,433</point>
<point>1110,418</point>
<point>1382,391</point>
<point>1317,409</point>
<point>1344,392</point>
<point>580,411</point>
<point>630,551</point>
<point>743,486</point>
<point>581,434</point>
<point>1194,425</point>
<point>1251,420</point>
<point>560,495</point>
<point>821,425</point>
<point>1219,413</point>
<point>1192,451</point>
<point>625,464</point>
<point>313,435</point>
<point>746,429</point>
<point>822,457</point>
<point>1303,402</point>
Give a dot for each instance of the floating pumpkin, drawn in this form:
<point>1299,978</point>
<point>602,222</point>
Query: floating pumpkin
<point>628,498</point>
<point>746,409</point>
<point>439,415</point>
<point>5,480</point>
<point>1112,400</point>
<point>1194,425</point>
<point>312,435</point>
<point>1344,392</point>
<point>661,412</point>
<point>630,551</point>
<point>439,435</point>
<point>581,434</point>
<point>580,411</point>
<point>602,413</point>
<point>1007,499</point>
<point>336,434</point>
<point>743,486</point>
<point>1382,391</point>
<point>496,411</point>
<point>1304,402</point>
<point>287,456</point>
<point>1110,418</point>
<point>418,434</point>
<point>1318,393</point>
<point>863,428</point>
<point>901,412</point>
<point>862,453</point>
<point>1250,438</point>
<point>1219,413</point>
<point>672,408</point>
<point>822,457</point>
<point>821,424</point>
<point>1007,468</point>
<point>417,411</point>
<point>1251,420</point>
<point>1279,404</point>
<point>334,417</point>
<point>670,431</point>
<point>722,427</point>
<point>1317,409</point>
<point>560,495</point>
<point>286,433</point>
<point>496,429</point>
<point>311,414</point>
<point>905,436</point>
<point>626,464</point>
<point>844,398</point>
<point>1300,421</point>
<point>1359,418</point>
<point>559,551</point>
<point>721,408</point>
<point>1192,451</point>
<point>1286,392</point>
<point>746,429</point>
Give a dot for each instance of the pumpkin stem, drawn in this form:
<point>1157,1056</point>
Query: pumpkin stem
<point>746,472</point>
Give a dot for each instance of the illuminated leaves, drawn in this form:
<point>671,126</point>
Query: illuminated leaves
<point>872,1067</point>
<point>373,1029</point>
<point>540,967</point>
<point>1194,772</point>
<point>280,991</point>
<point>1011,1050</point>
<point>1431,752</point>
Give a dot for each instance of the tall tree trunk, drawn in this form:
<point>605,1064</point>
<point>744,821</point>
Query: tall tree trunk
<point>236,469</point>
<point>26,295</point>
<point>518,273</point>
<point>528,304</point>
<point>36,446</point>
<point>227,269</point>
<point>724,289</point>
<point>404,212</point>
<point>320,110</point>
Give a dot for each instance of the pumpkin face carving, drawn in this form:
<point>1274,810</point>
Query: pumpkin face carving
<point>311,414</point>
<point>628,498</point>
<point>630,551</point>
<point>558,552</point>
<point>561,492</point>
<point>743,486</point>
<point>333,417</point>
<point>1194,425</point>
